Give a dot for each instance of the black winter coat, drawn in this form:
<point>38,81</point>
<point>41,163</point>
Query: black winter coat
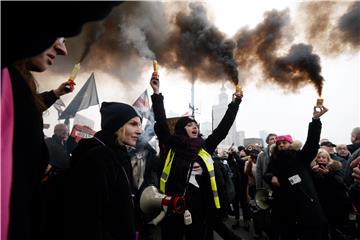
<point>333,194</point>
<point>59,154</point>
<point>200,199</point>
<point>99,201</point>
<point>237,166</point>
<point>298,202</point>
<point>30,157</point>
<point>354,188</point>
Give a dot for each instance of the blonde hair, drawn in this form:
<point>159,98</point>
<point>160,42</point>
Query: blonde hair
<point>120,135</point>
<point>321,152</point>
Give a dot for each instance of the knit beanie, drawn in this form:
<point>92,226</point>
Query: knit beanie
<point>114,115</point>
<point>181,123</point>
<point>286,138</point>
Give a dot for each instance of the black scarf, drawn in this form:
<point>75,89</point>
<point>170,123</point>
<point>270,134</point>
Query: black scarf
<point>187,147</point>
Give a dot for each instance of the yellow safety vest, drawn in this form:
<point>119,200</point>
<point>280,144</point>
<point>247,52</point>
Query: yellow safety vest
<point>209,163</point>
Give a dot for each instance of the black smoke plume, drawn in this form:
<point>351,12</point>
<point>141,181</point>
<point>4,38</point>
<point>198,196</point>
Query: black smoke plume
<point>183,38</point>
<point>349,25</point>
<point>91,34</point>
<point>329,33</point>
<point>262,44</point>
<point>299,66</point>
<point>199,48</point>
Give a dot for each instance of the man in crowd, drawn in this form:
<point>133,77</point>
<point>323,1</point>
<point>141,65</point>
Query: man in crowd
<point>355,140</point>
<point>60,146</point>
<point>342,151</point>
<point>263,161</point>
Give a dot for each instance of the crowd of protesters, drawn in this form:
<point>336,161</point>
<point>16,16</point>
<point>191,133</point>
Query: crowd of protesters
<point>314,189</point>
<point>56,189</point>
<point>99,181</point>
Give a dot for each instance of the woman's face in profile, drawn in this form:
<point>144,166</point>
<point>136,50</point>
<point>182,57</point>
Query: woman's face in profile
<point>44,60</point>
<point>130,132</point>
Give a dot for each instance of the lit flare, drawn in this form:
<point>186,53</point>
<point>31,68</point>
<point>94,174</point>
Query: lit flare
<point>73,74</point>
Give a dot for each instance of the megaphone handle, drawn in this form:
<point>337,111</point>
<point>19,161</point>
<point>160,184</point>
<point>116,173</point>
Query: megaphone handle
<point>158,218</point>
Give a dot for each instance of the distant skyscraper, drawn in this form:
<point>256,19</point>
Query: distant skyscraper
<point>263,134</point>
<point>205,129</point>
<point>218,111</point>
<point>241,136</point>
<point>254,141</point>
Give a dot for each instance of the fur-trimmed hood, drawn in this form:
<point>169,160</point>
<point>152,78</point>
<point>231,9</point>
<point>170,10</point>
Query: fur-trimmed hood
<point>296,146</point>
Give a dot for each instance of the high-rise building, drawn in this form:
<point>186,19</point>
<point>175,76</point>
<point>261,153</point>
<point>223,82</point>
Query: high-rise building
<point>218,111</point>
<point>241,136</point>
<point>263,134</point>
<point>205,129</point>
<point>253,141</point>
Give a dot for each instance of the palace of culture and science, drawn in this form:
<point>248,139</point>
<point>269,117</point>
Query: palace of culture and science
<point>218,112</point>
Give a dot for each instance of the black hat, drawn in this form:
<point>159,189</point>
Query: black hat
<point>181,123</point>
<point>114,115</point>
<point>240,148</point>
<point>328,144</point>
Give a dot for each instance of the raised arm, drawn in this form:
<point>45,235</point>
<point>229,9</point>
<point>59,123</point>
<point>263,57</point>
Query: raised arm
<point>50,97</point>
<point>225,124</point>
<point>161,127</point>
<point>311,145</point>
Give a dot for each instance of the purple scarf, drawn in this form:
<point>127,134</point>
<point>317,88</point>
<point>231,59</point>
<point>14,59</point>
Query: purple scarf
<point>188,147</point>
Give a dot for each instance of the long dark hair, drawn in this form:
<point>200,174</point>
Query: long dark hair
<point>32,83</point>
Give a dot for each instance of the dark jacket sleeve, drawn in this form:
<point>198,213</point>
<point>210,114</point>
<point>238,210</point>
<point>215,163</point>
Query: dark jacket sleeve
<point>161,127</point>
<point>223,128</point>
<point>348,170</point>
<point>48,98</point>
<point>269,173</point>
<point>355,195</point>
<point>311,146</point>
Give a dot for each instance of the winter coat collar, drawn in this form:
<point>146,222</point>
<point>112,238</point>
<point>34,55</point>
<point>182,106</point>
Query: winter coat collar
<point>57,139</point>
<point>353,147</point>
<point>333,165</point>
<point>108,139</point>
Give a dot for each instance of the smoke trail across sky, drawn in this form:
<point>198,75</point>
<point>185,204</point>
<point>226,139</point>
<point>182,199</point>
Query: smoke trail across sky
<point>183,38</point>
